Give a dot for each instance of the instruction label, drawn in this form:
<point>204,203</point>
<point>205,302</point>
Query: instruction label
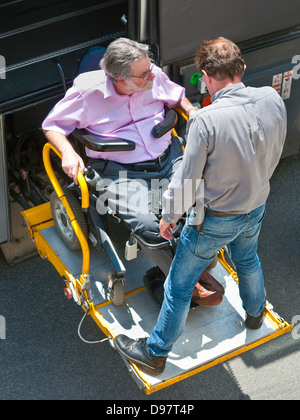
<point>287,84</point>
<point>282,83</point>
<point>277,82</point>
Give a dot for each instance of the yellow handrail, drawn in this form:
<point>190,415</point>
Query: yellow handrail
<point>182,113</point>
<point>185,117</point>
<point>84,203</point>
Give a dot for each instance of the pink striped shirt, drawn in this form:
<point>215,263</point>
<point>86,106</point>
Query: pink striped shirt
<point>93,103</point>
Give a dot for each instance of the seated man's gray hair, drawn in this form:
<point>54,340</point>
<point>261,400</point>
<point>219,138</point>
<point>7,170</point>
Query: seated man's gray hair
<point>119,56</point>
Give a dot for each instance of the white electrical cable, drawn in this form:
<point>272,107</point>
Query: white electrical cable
<point>85,341</point>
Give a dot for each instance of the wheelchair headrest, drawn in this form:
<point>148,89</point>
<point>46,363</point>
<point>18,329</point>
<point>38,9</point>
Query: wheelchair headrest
<point>91,60</point>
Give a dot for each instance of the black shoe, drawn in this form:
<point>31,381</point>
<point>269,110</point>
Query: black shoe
<point>253,322</point>
<point>137,352</point>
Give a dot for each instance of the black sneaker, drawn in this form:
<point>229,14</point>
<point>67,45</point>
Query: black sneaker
<point>254,322</point>
<point>137,352</point>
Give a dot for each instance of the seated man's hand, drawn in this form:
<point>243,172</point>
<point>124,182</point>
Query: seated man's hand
<point>71,163</point>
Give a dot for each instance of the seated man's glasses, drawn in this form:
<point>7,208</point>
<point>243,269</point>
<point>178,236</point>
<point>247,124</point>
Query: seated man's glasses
<point>145,75</point>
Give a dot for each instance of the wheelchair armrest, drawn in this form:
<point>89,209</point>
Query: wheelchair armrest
<point>166,125</point>
<point>102,144</point>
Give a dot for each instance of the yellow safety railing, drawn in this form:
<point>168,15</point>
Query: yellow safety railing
<point>84,203</point>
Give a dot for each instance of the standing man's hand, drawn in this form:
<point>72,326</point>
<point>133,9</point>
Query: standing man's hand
<point>166,229</point>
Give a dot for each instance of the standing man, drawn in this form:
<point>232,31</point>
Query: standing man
<point>234,145</point>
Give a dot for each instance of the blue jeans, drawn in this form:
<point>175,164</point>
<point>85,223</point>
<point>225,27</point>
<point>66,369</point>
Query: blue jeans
<point>194,253</point>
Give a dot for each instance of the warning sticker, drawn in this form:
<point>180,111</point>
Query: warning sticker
<point>277,82</point>
<point>287,84</point>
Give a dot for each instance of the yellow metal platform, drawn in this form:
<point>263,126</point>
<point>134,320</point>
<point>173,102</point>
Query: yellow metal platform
<point>212,334</point>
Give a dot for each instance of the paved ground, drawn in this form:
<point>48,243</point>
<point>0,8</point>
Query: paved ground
<point>43,358</point>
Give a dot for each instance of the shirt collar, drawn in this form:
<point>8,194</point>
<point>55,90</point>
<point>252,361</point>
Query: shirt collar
<point>109,87</point>
<point>231,88</point>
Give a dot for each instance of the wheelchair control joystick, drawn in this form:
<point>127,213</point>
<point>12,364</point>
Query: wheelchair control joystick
<point>92,178</point>
<point>89,172</point>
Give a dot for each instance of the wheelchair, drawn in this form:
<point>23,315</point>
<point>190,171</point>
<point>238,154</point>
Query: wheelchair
<point>94,225</point>
<point>80,202</point>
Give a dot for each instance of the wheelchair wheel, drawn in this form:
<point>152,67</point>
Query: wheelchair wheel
<point>116,290</point>
<point>62,221</point>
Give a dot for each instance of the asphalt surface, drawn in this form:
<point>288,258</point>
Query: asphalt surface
<point>42,358</point>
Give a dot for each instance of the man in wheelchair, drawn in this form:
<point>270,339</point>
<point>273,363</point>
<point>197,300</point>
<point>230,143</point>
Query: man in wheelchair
<point>124,100</point>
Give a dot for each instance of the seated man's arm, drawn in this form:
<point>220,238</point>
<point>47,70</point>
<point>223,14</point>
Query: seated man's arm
<point>71,161</point>
<point>186,106</point>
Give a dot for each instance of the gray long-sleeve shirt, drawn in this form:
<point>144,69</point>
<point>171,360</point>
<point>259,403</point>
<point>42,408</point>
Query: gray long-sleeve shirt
<point>234,146</point>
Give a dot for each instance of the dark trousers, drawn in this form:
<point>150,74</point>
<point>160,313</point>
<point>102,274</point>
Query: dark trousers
<point>134,193</point>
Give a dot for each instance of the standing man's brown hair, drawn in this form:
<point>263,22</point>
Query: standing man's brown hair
<point>221,59</point>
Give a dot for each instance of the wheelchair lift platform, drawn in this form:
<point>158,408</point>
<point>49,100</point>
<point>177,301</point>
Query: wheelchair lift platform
<point>212,334</point>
